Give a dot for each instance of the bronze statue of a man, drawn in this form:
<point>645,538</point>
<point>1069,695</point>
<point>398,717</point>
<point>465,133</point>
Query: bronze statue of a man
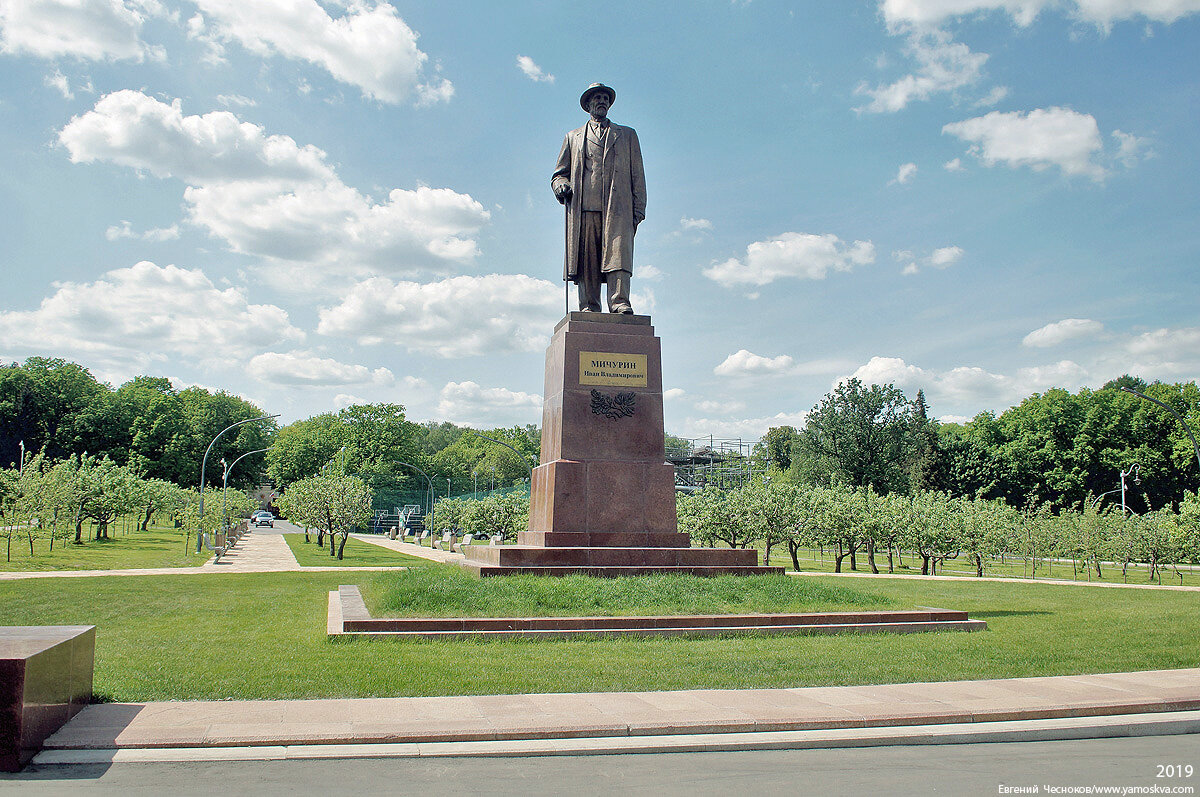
<point>600,179</point>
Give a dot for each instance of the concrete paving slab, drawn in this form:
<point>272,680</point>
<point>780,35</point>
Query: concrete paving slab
<point>593,715</point>
<point>965,733</point>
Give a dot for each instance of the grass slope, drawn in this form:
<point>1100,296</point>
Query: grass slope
<point>263,636</point>
<point>443,592</point>
<point>155,547</point>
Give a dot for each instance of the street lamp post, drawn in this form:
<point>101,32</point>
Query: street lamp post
<point>204,468</point>
<point>225,480</point>
<point>1136,470</point>
<point>1178,417</point>
<point>21,461</point>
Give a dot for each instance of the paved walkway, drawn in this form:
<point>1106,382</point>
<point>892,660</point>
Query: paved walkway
<point>255,553</point>
<point>409,548</point>
<point>414,720</point>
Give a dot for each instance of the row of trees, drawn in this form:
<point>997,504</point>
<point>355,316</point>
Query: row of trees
<point>1056,447</point>
<point>58,408</point>
<point>50,500</point>
<point>498,514</point>
<point>390,453</point>
<point>858,523</point>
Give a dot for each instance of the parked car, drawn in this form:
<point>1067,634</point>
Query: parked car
<point>262,518</point>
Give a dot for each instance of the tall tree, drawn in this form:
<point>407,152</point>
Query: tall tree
<point>860,435</point>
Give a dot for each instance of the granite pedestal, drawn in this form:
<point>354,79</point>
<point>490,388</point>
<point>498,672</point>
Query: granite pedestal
<point>45,679</point>
<point>603,500</point>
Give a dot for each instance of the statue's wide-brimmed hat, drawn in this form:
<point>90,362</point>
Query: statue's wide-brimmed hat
<point>592,89</point>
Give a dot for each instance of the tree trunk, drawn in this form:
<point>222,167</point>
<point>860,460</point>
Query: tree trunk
<point>871,556</point>
<point>978,566</point>
<point>767,554</point>
<point>332,550</point>
<point>891,564</point>
<point>838,557</point>
<point>1098,573</point>
<point>146,520</point>
<point>794,550</point>
<point>342,546</point>
<point>853,552</point>
<point>79,531</point>
<point>924,565</point>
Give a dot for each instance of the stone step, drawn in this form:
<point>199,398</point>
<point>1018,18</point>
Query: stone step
<point>605,539</point>
<point>483,569</point>
<point>723,621</point>
<point>525,556</point>
<point>348,616</point>
<point>770,630</point>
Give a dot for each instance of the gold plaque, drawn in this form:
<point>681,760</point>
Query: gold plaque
<point>607,368</point>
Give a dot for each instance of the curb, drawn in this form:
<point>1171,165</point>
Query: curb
<point>1120,726</point>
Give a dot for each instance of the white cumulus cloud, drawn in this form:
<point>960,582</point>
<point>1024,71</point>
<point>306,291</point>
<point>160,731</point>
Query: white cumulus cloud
<point>471,404</point>
<point>906,172</point>
<point>793,254</point>
<point>971,386</point>
<point>455,317</point>
<point>941,65</point>
<point>746,429</point>
<point>1062,331</point>
<point>305,369</point>
<point>369,46</point>
<point>1023,12</point>
<point>147,314</point>
<point>93,30</point>
<point>1039,139</point>
<point>532,71</point>
<point>157,235</point>
<point>268,196</point>
<point>744,362</point>
<point>943,257</point>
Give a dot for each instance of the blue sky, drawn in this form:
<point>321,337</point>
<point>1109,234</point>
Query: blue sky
<point>312,204</point>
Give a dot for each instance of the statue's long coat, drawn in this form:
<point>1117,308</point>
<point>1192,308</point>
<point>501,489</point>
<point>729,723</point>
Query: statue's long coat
<point>624,181</point>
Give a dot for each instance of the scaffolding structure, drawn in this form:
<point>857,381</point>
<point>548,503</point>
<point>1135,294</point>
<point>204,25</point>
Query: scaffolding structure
<point>721,462</point>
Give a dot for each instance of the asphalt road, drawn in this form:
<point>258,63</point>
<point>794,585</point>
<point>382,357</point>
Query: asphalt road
<point>917,770</point>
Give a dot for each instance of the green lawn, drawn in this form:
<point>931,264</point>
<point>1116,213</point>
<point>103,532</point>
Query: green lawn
<point>155,547</point>
<point>356,554</point>
<point>263,636</point>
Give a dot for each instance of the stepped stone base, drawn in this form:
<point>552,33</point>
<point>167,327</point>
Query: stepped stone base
<point>348,616</point>
<point>611,561</point>
<point>603,500</point>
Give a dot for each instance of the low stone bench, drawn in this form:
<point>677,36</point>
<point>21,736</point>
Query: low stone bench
<point>45,680</point>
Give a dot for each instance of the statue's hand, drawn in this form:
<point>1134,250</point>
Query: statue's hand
<point>563,194</point>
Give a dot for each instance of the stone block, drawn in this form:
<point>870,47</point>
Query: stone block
<point>45,679</point>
